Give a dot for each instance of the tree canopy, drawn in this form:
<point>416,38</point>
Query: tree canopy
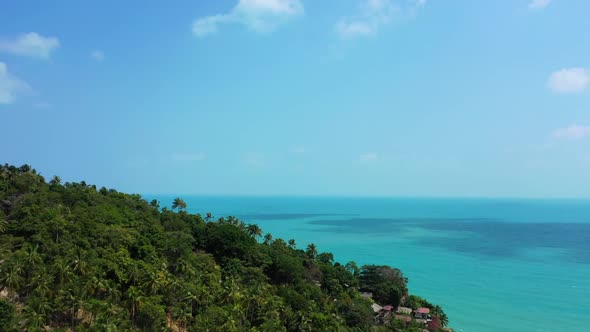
<point>85,259</point>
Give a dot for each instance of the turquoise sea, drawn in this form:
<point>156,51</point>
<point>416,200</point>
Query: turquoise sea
<point>493,264</point>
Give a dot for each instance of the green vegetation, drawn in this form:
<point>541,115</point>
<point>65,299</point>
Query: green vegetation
<point>74,257</point>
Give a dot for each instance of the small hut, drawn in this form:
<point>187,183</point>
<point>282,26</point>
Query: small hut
<point>423,313</point>
<point>376,308</point>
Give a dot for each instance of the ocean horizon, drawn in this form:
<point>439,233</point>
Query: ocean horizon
<point>509,264</point>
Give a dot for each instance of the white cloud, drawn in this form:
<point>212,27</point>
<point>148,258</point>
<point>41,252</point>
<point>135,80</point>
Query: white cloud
<point>257,15</point>
<point>97,55</point>
<point>374,14</point>
<point>208,25</point>
<point>368,157</point>
<point>10,87</point>
<point>539,4</point>
<point>298,149</point>
<point>573,132</point>
<point>569,80</point>
<point>31,44</point>
<point>188,157</point>
<point>354,29</point>
<point>254,159</point>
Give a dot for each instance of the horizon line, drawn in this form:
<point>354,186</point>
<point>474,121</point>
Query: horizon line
<point>368,196</point>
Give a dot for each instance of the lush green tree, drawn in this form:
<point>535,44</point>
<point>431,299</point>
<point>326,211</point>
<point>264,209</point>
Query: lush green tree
<point>155,203</point>
<point>7,314</point>
<point>387,284</point>
<point>311,251</point>
<point>11,278</point>
<point>254,231</point>
<point>55,180</point>
<point>267,239</point>
<point>353,269</point>
<point>3,225</point>
<point>179,204</point>
<point>151,315</point>
<point>135,300</point>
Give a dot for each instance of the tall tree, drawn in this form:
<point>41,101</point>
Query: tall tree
<point>352,268</point>
<point>311,251</point>
<point>11,278</point>
<point>55,180</point>
<point>178,204</point>
<point>155,204</point>
<point>135,299</point>
<point>267,238</point>
<point>254,231</point>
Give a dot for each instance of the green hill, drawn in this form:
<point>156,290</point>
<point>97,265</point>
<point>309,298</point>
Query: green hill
<point>74,257</point>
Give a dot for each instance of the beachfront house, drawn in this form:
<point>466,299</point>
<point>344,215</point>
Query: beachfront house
<point>388,308</point>
<point>422,313</point>
<point>376,308</point>
<point>404,310</point>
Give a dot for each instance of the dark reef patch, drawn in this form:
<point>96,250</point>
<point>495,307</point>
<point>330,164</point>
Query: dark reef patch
<point>290,216</point>
<point>486,237</point>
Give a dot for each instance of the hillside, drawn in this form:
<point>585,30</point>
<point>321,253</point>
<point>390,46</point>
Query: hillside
<point>77,257</point>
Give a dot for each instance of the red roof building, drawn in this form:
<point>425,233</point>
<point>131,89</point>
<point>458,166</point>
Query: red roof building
<point>423,310</point>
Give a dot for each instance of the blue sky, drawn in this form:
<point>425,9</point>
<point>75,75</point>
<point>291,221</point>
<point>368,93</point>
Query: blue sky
<point>299,97</point>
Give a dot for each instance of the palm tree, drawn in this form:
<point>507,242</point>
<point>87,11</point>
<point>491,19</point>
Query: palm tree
<point>192,297</point>
<point>112,292</point>
<point>108,311</point>
<point>3,225</point>
<point>134,273</point>
<point>280,243</point>
<point>36,313</point>
<point>208,216</point>
<point>267,238</point>
<point>55,180</point>
<point>11,278</point>
<point>71,299</point>
<point>311,251</point>
<point>254,231</point>
<point>182,314</point>
<point>93,307</point>
<point>292,244</point>
<point>56,226</point>
<point>25,168</point>
<point>135,297</point>
<point>155,204</point>
<point>352,268</point>
<point>79,265</point>
<point>41,284</point>
<point>62,270</point>
<point>31,259</point>
<point>179,204</point>
<point>154,281</point>
<point>242,225</point>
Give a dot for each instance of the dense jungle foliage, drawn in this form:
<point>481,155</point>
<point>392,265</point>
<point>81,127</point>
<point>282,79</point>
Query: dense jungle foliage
<point>77,258</point>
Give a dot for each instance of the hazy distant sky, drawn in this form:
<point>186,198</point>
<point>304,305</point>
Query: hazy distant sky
<point>297,97</point>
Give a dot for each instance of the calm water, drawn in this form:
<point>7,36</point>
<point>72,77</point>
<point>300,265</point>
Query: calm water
<point>494,265</point>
